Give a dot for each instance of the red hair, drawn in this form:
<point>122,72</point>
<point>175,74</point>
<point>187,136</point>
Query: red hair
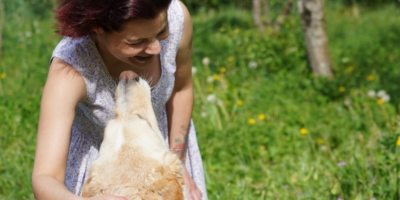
<point>77,18</point>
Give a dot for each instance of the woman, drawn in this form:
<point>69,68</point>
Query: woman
<point>103,39</point>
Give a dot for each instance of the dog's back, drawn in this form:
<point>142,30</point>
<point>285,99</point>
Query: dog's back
<point>134,160</point>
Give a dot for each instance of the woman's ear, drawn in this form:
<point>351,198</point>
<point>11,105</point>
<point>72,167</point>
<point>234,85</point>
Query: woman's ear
<point>98,30</point>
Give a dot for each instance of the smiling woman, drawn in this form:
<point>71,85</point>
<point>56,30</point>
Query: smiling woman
<point>104,38</point>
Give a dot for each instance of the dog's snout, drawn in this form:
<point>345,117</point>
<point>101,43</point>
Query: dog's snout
<point>128,76</point>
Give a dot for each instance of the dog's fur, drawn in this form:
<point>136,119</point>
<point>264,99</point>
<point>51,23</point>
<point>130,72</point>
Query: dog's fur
<point>134,160</point>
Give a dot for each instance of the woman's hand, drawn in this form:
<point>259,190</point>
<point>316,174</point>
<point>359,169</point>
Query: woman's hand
<point>192,191</point>
<point>107,197</point>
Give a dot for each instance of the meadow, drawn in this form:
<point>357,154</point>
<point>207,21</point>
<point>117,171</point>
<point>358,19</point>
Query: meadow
<point>267,128</point>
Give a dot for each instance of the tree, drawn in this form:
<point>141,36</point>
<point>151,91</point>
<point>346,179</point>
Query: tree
<point>278,23</point>
<point>314,29</point>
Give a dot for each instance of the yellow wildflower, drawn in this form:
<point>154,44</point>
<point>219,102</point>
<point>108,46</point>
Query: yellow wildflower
<point>252,121</point>
<point>304,131</point>
<point>370,77</point>
<point>380,101</point>
<point>320,141</point>
<point>239,102</point>
<point>350,69</point>
<point>394,128</point>
<point>3,75</point>
<point>216,77</point>
<point>210,90</point>
<point>261,116</point>
<point>341,89</point>
<point>230,58</point>
<point>222,70</point>
<point>261,147</point>
<point>398,141</point>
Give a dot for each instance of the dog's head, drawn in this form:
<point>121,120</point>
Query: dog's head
<point>133,95</point>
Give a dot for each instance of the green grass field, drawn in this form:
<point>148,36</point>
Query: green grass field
<point>266,127</point>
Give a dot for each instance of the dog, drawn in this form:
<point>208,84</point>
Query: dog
<point>134,160</point>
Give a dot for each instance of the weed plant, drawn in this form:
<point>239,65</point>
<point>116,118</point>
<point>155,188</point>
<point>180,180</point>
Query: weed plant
<point>267,128</point>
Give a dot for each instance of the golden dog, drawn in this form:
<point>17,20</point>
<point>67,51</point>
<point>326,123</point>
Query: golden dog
<point>134,160</point>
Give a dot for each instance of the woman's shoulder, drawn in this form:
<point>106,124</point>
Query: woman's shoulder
<point>73,50</point>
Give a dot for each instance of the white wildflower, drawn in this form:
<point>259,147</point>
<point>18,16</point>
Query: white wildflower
<point>194,70</point>
<point>371,93</point>
<point>211,98</point>
<point>28,34</point>
<point>203,114</point>
<point>347,102</point>
<point>220,102</point>
<point>210,79</point>
<point>206,61</point>
<point>385,98</point>
<point>252,64</point>
<point>381,93</point>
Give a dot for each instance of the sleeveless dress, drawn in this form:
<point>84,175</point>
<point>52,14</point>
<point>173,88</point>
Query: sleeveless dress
<point>96,110</point>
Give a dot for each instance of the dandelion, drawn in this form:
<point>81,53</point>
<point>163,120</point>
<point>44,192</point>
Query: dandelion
<point>341,164</point>
<point>341,89</point>
<point>304,131</point>
<point>394,128</point>
<point>211,98</point>
<point>252,65</point>
<point>216,77</point>
<point>370,77</point>
<point>194,70</point>
<point>206,61</point>
<point>261,116</point>
<point>320,141</point>
<point>252,121</point>
<point>230,58</point>
<point>222,70</point>
<point>239,102</point>
<point>3,75</point>
<point>350,69</point>
<point>261,147</point>
<point>210,90</point>
<point>380,101</point>
<point>398,141</point>
<point>371,93</point>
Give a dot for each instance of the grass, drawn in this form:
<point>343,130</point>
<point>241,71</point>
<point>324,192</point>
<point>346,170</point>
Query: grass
<point>269,132</point>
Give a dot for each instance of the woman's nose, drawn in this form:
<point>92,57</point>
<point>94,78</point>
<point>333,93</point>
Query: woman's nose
<point>154,48</point>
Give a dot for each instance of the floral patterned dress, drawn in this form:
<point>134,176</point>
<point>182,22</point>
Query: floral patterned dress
<point>96,110</point>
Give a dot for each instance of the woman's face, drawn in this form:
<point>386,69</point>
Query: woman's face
<point>138,42</point>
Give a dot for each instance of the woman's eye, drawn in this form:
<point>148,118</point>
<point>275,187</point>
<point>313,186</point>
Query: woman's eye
<point>136,43</point>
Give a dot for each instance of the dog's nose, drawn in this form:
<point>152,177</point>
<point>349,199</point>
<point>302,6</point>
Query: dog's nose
<point>128,75</point>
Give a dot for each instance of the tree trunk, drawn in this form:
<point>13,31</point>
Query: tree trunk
<point>257,15</point>
<point>282,15</point>
<point>267,14</point>
<point>314,28</point>
<point>1,26</point>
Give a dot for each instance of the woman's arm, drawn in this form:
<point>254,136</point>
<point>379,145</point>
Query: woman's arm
<point>64,89</point>
<point>180,105</point>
